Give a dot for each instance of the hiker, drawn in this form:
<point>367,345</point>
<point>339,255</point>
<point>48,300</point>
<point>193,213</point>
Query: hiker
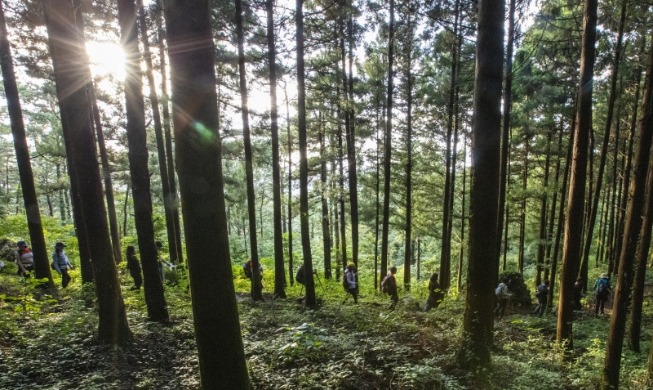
<point>134,267</point>
<point>389,286</point>
<point>542,295</point>
<point>349,282</point>
<point>248,267</point>
<point>300,278</point>
<point>578,294</point>
<point>436,295</point>
<point>503,297</point>
<point>24,259</point>
<point>159,248</point>
<point>61,264</point>
<point>602,292</point>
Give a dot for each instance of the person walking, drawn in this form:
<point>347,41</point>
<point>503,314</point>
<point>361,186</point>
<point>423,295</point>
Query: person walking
<point>389,286</point>
<point>134,267</point>
<point>350,282</point>
<point>542,295</point>
<point>503,297</point>
<point>602,292</point>
<point>24,259</point>
<point>436,295</point>
<point>61,264</point>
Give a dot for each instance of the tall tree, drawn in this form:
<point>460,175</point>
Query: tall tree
<point>409,154</point>
<point>351,138</point>
<point>279,269</point>
<point>632,229</point>
<point>576,199</point>
<point>76,117</point>
<point>324,191</point>
<point>486,131</point>
<point>168,197</point>
<point>311,300</point>
<point>138,162</point>
<point>32,211</point>
<point>257,293</point>
<point>199,162</point>
<point>387,155</point>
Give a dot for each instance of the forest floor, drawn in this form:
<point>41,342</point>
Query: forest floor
<point>48,343</point>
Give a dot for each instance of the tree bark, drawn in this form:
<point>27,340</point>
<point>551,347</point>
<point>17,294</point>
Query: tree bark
<point>409,163</point>
<point>486,138</point>
<point>291,275</point>
<point>543,242</point>
<point>76,117</point>
<point>257,292</point>
<point>157,308</point>
<point>351,142</point>
<point>311,300</point>
<point>387,155</point>
<point>199,160</point>
<point>571,253</point>
<point>168,196</point>
<point>279,268</point>
<point>30,199</point>
<point>326,228</point>
<point>632,230</point>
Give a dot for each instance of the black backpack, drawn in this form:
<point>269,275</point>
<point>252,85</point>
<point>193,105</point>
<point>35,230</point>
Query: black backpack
<point>247,267</point>
<point>299,277</point>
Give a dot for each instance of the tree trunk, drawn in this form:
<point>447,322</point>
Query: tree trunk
<point>463,221</point>
<point>341,192</point>
<point>543,242</point>
<point>168,197</point>
<point>326,228</point>
<point>486,138</point>
<point>257,292</point>
<point>311,300</point>
<point>554,208</point>
<point>178,256</point>
<point>215,311</point>
<point>387,157</point>
<point>291,275</point>
<point>522,209</point>
<point>351,142</point>
<point>106,176</point>
<point>76,114</point>
<point>632,229</point>
<point>505,128</point>
<point>409,163</point>
<point>279,268</point>
<point>571,253</point>
<point>138,163</point>
<point>30,199</point>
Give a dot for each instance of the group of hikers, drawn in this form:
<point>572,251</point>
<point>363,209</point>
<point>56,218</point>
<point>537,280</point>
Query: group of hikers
<point>601,292</point>
<point>24,258</point>
<point>60,262</point>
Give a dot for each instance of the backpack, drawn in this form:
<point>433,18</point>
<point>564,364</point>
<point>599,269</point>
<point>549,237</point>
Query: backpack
<point>602,289</point>
<point>345,284</point>
<point>386,285</point>
<point>501,290</point>
<point>247,267</point>
<point>299,277</point>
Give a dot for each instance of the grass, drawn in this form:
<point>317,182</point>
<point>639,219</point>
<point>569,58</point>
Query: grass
<point>49,343</point>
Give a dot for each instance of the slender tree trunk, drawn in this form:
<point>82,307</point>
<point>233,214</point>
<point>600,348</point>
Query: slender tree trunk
<point>257,293</point>
<point>463,221</point>
<point>341,192</point>
<point>387,158</point>
<point>32,211</point>
<point>168,197</point>
<point>76,117</point>
<point>351,142</point>
<point>486,138</point>
<point>106,176</point>
<point>632,230</point>
<point>125,211</point>
<point>589,231</point>
<point>615,192</point>
<point>505,128</point>
<point>177,257</point>
<point>326,228</point>
<point>311,301</point>
<point>291,274</point>
<point>279,269</point>
<point>543,244</point>
<point>522,209</point>
<point>552,216</point>
<point>377,204</point>
<point>409,163</point>
<point>215,311</point>
<point>157,308</point>
<point>571,253</point>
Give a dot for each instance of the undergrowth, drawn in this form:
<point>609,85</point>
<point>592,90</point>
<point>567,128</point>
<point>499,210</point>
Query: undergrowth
<point>50,343</point>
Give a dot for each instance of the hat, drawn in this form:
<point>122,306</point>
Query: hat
<point>59,245</point>
<point>21,243</point>
<point>351,265</point>
<point>604,275</point>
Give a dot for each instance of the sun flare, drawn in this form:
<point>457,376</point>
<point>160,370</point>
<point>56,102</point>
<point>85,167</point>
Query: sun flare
<point>106,59</point>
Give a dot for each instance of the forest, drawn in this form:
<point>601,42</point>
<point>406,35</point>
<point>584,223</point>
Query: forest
<point>326,194</point>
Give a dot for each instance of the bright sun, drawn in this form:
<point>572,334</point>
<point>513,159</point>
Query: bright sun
<point>106,59</point>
